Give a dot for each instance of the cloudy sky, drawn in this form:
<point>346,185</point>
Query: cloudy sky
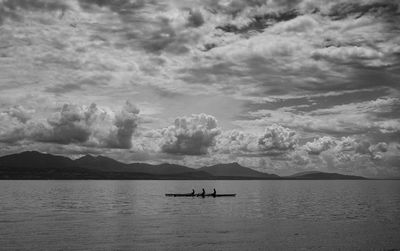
<point>280,86</point>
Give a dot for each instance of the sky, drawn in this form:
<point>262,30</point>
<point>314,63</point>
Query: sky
<point>279,86</point>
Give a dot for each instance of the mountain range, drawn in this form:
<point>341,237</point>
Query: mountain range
<point>36,165</point>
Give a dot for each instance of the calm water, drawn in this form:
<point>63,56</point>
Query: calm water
<point>135,215</point>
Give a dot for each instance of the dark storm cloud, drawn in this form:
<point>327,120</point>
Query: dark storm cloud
<point>192,135</point>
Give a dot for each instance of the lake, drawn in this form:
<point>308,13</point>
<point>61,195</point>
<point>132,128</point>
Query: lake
<point>136,215</point>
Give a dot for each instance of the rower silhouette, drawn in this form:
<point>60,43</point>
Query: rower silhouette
<point>203,193</point>
<point>192,192</point>
<point>214,193</point>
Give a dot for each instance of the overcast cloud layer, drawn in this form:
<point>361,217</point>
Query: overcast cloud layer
<point>279,86</point>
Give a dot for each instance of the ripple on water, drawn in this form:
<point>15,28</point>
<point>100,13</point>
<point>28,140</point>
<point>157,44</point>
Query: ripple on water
<point>136,215</point>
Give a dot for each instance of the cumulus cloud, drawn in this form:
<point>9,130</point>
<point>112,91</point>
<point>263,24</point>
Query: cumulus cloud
<point>125,123</point>
<point>377,150</point>
<point>345,148</point>
<point>362,147</point>
<point>74,124</point>
<point>235,141</point>
<point>348,150</point>
<point>300,158</point>
<point>277,137</point>
<point>345,154</point>
<point>71,125</point>
<point>13,122</point>
<point>20,113</point>
<point>92,126</point>
<point>346,144</point>
<point>319,145</point>
<point>275,140</point>
<point>192,135</point>
<point>13,135</point>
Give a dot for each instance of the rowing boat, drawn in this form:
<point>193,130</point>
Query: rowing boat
<point>199,195</point>
<point>222,195</point>
<point>180,195</point>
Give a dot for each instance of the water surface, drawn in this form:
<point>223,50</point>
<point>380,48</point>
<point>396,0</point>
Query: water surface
<point>135,215</point>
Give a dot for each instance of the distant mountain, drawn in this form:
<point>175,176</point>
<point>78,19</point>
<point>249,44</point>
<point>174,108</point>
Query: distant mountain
<point>105,164</point>
<point>235,170</point>
<point>36,165</point>
<point>303,173</point>
<point>316,175</point>
<point>161,169</point>
<point>41,160</point>
<point>101,163</point>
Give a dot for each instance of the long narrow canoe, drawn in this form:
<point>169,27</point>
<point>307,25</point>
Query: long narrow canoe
<point>180,195</point>
<point>222,195</point>
<point>199,195</point>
